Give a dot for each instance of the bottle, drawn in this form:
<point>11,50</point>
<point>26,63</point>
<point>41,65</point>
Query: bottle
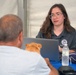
<point>65,53</point>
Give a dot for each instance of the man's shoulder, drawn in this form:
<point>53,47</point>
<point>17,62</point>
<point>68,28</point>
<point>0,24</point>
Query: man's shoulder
<point>34,55</point>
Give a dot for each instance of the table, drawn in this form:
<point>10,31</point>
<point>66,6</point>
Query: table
<point>58,64</point>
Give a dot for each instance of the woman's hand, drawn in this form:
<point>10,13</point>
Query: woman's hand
<point>70,51</point>
<point>60,49</point>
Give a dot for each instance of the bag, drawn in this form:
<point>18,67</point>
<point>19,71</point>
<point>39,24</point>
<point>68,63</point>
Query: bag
<point>72,57</point>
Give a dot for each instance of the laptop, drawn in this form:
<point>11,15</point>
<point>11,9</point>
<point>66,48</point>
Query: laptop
<point>49,47</point>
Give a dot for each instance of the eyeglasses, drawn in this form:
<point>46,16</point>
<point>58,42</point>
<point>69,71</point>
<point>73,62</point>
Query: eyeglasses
<point>58,14</point>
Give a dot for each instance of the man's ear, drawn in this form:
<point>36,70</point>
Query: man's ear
<point>20,39</point>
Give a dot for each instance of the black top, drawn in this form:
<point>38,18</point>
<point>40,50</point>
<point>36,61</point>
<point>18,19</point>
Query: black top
<point>69,36</point>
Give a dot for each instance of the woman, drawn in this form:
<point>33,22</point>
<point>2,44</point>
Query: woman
<point>57,26</point>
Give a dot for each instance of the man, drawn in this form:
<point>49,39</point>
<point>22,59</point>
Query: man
<point>15,61</point>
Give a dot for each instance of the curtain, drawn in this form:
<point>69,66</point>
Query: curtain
<point>8,7</point>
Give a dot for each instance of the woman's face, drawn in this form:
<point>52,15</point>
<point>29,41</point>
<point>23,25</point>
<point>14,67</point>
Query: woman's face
<point>57,17</point>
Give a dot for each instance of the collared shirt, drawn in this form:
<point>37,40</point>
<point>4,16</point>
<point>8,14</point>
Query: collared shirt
<point>15,61</point>
<point>69,36</point>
